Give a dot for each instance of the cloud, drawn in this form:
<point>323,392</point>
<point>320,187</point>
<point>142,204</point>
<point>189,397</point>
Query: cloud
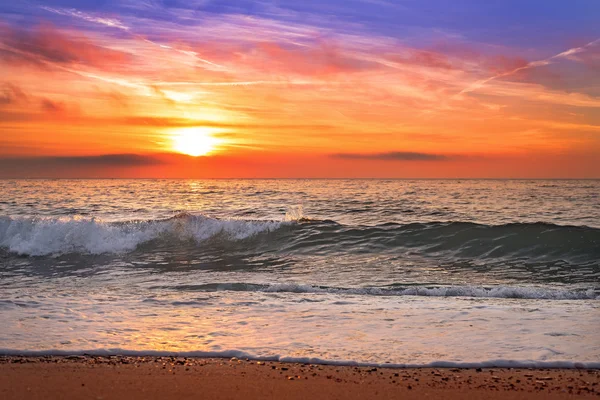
<point>110,22</point>
<point>52,106</point>
<point>45,44</point>
<point>590,58</point>
<point>106,160</point>
<point>321,58</point>
<point>538,93</point>
<point>393,156</point>
<point>533,64</point>
<point>168,122</point>
<point>11,94</point>
<point>116,23</point>
<point>422,58</point>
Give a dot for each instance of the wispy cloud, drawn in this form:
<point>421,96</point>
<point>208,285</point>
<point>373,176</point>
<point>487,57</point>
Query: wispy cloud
<point>236,83</point>
<point>11,94</point>
<point>533,64</point>
<point>52,106</point>
<point>46,44</point>
<point>71,12</point>
<point>303,79</point>
<point>116,23</point>
<point>539,93</point>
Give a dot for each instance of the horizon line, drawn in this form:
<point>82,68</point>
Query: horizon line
<point>309,178</point>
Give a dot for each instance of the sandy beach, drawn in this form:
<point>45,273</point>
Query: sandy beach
<point>130,378</point>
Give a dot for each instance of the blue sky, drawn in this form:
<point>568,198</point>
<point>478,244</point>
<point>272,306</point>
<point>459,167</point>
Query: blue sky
<point>549,24</point>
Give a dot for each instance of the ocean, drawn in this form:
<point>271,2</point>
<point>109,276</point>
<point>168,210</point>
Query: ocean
<point>357,272</point>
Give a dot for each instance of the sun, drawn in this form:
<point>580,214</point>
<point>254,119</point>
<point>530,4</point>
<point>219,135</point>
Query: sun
<point>195,141</point>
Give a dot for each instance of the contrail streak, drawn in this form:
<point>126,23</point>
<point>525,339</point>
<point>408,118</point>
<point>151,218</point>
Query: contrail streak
<point>532,64</point>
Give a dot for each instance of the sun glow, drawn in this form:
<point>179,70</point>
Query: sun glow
<point>195,141</point>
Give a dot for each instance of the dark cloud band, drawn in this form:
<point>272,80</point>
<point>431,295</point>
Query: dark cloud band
<point>108,160</point>
<point>393,156</point>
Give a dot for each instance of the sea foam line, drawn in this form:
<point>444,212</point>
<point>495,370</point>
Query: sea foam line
<point>498,363</point>
<point>508,292</point>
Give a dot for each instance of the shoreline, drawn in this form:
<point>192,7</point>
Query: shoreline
<point>142,377</point>
<point>41,355</point>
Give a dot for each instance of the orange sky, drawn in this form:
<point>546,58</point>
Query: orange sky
<point>98,99</point>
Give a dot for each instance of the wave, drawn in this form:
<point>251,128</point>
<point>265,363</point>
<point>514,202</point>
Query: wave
<point>44,236</point>
<point>507,292</point>
<point>454,240</point>
<point>462,240</point>
<point>498,363</point>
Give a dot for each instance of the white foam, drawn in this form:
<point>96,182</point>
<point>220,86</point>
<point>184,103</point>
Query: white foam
<point>304,360</point>
<point>45,236</point>
<point>509,292</point>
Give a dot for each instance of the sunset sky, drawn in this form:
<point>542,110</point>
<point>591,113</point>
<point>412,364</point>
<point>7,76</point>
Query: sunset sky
<point>338,88</point>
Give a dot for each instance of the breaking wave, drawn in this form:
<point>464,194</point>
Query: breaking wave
<point>457,240</point>
<point>45,236</point>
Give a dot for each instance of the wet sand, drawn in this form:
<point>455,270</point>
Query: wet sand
<point>90,377</point>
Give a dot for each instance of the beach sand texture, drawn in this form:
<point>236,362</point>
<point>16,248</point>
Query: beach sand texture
<point>131,378</point>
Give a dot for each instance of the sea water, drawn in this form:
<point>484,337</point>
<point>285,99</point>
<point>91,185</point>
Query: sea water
<point>373,272</point>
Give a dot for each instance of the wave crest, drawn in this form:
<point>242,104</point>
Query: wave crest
<point>503,292</point>
<point>45,236</point>
<point>452,240</point>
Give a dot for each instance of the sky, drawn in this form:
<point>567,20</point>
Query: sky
<point>314,89</point>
